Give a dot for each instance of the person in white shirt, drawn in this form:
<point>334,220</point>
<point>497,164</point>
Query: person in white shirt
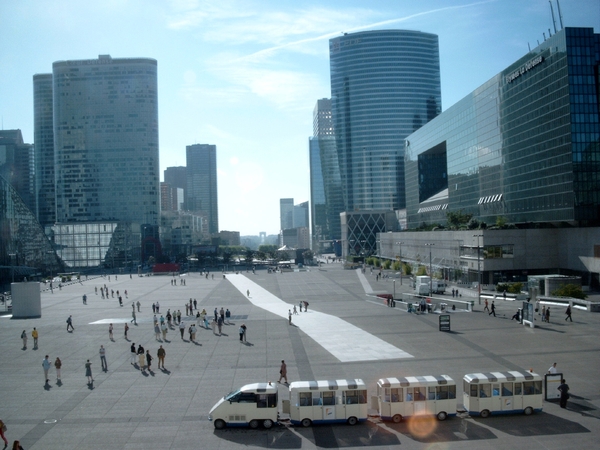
<point>552,370</point>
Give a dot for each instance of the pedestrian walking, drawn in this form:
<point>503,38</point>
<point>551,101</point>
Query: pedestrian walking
<point>102,353</point>
<point>220,324</point>
<point>222,314</point>
<point>70,323</point>
<point>161,357</point>
<point>295,310</point>
<point>110,331</point>
<point>289,316</point>
<point>2,430</point>
<point>133,306</point>
<point>305,306</point>
<point>34,335</point>
<point>181,328</point>
<point>138,305</point>
<point>203,317</point>
<point>552,370</point>
<point>84,299</point>
<point>248,293</point>
<point>227,316</point>
<point>187,310</point>
<point>88,371</point>
<point>46,365</point>
<point>178,316</point>
<point>564,393</point>
<point>548,314</point>
<point>148,360</point>
<point>213,325</point>
<point>543,313</point>
<point>195,304</point>
<point>300,304</point>
<point>154,308</point>
<point>141,356</point>
<point>493,311</point>
<point>283,372</point>
<point>164,330</point>
<point>57,366</point>
<point>126,330</point>
<point>24,337</point>
<point>245,328</point>
<point>486,308</point>
<point>156,331</point>
<point>241,331</point>
<point>133,319</point>
<point>193,332</point>
<point>132,354</point>
<point>567,312</point>
<point>216,314</point>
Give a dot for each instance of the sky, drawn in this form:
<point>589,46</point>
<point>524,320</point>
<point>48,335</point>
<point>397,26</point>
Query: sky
<point>245,75</point>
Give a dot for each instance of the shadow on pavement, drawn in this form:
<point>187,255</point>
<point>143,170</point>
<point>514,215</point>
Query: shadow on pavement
<point>539,424</point>
<point>429,430</point>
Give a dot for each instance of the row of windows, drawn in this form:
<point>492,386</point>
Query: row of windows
<point>351,397</point>
<point>508,389</point>
<point>419,394</point>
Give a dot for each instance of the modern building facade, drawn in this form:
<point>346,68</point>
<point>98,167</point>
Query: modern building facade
<point>201,183</point>
<point>176,176</point>
<point>325,183</point>
<point>98,163</point>
<point>17,165</point>
<point>522,148</point>
<point>286,213</point>
<point>384,85</point>
<point>43,130</point>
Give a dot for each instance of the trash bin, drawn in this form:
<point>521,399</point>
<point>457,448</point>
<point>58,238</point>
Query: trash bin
<point>443,307</point>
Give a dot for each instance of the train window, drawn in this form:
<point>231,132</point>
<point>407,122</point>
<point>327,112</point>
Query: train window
<point>472,389</point>
<point>362,396</point>
<point>518,389</point>
<point>396,395</point>
<point>409,394</point>
<point>328,398</point>
<point>387,396</point>
<point>537,386</point>
<point>431,393</point>
<point>528,388</point>
<point>305,399</point>
<point>247,397</point>
<point>420,394</point>
<point>485,390</point>
<point>496,390</point>
<point>452,391</point>
<point>266,400</point>
<point>507,389</point>
<point>317,401</point>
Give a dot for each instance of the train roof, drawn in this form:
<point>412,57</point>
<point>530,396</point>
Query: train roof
<point>427,380</point>
<point>329,385</point>
<point>260,388</point>
<point>511,375</point>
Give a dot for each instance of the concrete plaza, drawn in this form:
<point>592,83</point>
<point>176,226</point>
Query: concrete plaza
<point>345,334</point>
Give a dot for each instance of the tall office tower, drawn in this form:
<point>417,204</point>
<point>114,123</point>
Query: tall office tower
<point>201,182</point>
<point>322,120</point>
<point>325,184</point>
<point>17,162</point>
<point>300,215</point>
<point>286,213</point>
<point>43,137</point>
<point>384,85</point>
<point>106,140</point>
<point>175,176</point>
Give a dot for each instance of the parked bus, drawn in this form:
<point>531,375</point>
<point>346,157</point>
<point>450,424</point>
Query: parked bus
<point>502,393</point>
<point>399,398</point>
<point>250,405</point>
<point>327,401</point>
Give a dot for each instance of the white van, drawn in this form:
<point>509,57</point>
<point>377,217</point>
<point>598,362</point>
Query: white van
<point>502,393</point>
<point>398,398</point>
<point>327,401</point>
<point>250,405</point>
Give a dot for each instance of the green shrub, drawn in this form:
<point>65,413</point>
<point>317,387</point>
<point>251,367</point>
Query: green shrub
<point>570,290</point>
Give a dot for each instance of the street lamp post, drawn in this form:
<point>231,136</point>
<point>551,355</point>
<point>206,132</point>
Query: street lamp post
<point>12,266</point>
<point>401,267</point>
<point>478,267</point>
<point>430,270</point>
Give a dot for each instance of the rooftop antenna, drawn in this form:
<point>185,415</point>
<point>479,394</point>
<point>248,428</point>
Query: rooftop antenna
<point>553,19</point>
<point>544,33</point>
<point>559,14</point>
<point>549,33</point>
<point>529,46</point>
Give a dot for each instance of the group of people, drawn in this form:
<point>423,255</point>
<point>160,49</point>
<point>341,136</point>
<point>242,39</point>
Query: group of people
<point>34,335</point>
<point>144,358</point>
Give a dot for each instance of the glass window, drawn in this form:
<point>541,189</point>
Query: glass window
<point>472,390</point>
<point>507,389</point>
<point>518,389</point>
<point>305,399</point>
<point>496,390</point>
<point>396,395</point>
<point>328,398</point>
<point>485,390</point>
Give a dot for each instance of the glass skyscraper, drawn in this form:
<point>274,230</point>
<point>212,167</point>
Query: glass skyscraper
<point>384,85</point>
<point>106,140</point>
<point>201,183</point>
<point>523,147</point>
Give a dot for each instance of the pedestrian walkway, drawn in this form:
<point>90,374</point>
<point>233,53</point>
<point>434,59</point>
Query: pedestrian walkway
<point>343,340</point>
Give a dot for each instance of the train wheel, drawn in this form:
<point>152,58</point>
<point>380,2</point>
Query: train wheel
<point>267,423</point>
<point>528,411</point>
<point>220,424</point>
<point>485,413</point>
<point>352,420</point>
<point>442,416</point>
<point>397,418</point>
<point>306,422</point>
<point>253,424</point>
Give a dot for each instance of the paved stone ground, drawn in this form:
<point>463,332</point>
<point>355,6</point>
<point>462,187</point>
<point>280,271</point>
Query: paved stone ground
<point>127,409</point>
